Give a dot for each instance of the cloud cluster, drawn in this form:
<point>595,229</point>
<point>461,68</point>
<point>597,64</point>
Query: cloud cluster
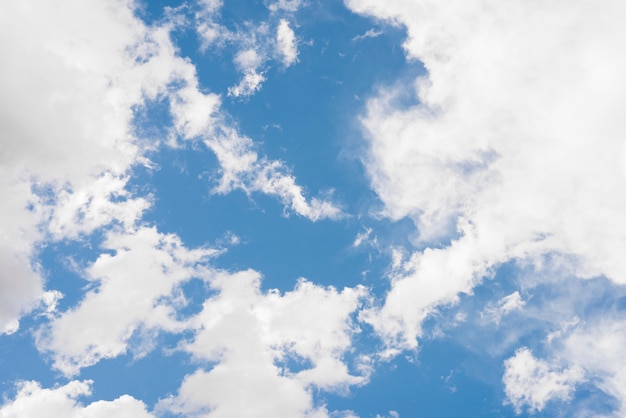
<point>131,292</point>
<point>515,150</point>
<point>253,337</point>
<point>250,338</point>
<point>71,147</point>
<point>69,143</point>
<point>256,43</point>
<point>33,401</point>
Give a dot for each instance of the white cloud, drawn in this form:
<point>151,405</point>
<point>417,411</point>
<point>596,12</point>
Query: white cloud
<point>503,307</point>
<point>531,382</point>
<point>250,335</point>
<point>598,347</point>
<point>287,45</point>
<point>67,138</point>
<point>130,296</point>
<point>257,47</point>
<point>69,142</point>
<point>514,149</point>
<point>249,84</point>
<point>33,401</point>
<point>285,5</point>
<point>240,165</point>
<point>370,33</point>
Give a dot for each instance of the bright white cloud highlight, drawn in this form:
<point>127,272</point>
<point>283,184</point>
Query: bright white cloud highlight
<point>130,297</point>
<point>530,382</point>
<point>285,5</point>
<point>67,139</point>
<point>287,44</point>
<point>598,347</point>
<point>249,334</point>
<point>256,44</point>
<point>514,149</point>
<point>33,401</point>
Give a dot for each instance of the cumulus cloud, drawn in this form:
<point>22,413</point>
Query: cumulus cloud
<point>287,45</point>
<point>33,401</point>
<point>130,292</point>
<point>530,382</point>
<point>513,151</point>
<point>67,132</point>
<point>250,335</point>
<point>598,348</point>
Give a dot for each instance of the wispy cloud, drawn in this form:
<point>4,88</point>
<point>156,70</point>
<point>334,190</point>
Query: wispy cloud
<point>371,33</point>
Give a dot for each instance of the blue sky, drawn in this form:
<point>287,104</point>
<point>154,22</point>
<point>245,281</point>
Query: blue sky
<point>307,208</point>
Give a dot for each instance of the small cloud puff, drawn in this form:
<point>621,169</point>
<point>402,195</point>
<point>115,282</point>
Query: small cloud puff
<point>371,33</point>
<point>286,40</point>
<point>532,382</point>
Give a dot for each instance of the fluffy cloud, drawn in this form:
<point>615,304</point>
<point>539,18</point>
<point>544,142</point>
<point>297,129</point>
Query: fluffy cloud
<point>286,40</point>
<point>598,347</point>
<point>68,133</point>
<point>130,296</point>
<point>289,342</point>
<point>515,149</point>
<point>531,382</point>
<point>67,109</point>
<point>33,401</point>
<point>251,337</point>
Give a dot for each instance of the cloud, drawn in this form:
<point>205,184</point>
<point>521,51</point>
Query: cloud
<point>370,33</point>
<point>251,336</point>
<point>285,5</point>
<point>503,307</point>
<point>68,108</point>
<point>513,151</point>
<point>255,45</point>
<point>287,45</point>
<point>597,347</point>
<point>69,135</point>
<point>255,340</point>
<point>129,296</point>
<point>532,383</point>
<point>33,401</point>
<point>241,167</point>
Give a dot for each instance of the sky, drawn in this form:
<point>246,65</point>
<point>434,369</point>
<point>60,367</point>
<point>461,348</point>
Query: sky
<point>312,208</point>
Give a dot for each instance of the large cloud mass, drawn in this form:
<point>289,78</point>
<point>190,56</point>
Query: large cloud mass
<point>516,148</point>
